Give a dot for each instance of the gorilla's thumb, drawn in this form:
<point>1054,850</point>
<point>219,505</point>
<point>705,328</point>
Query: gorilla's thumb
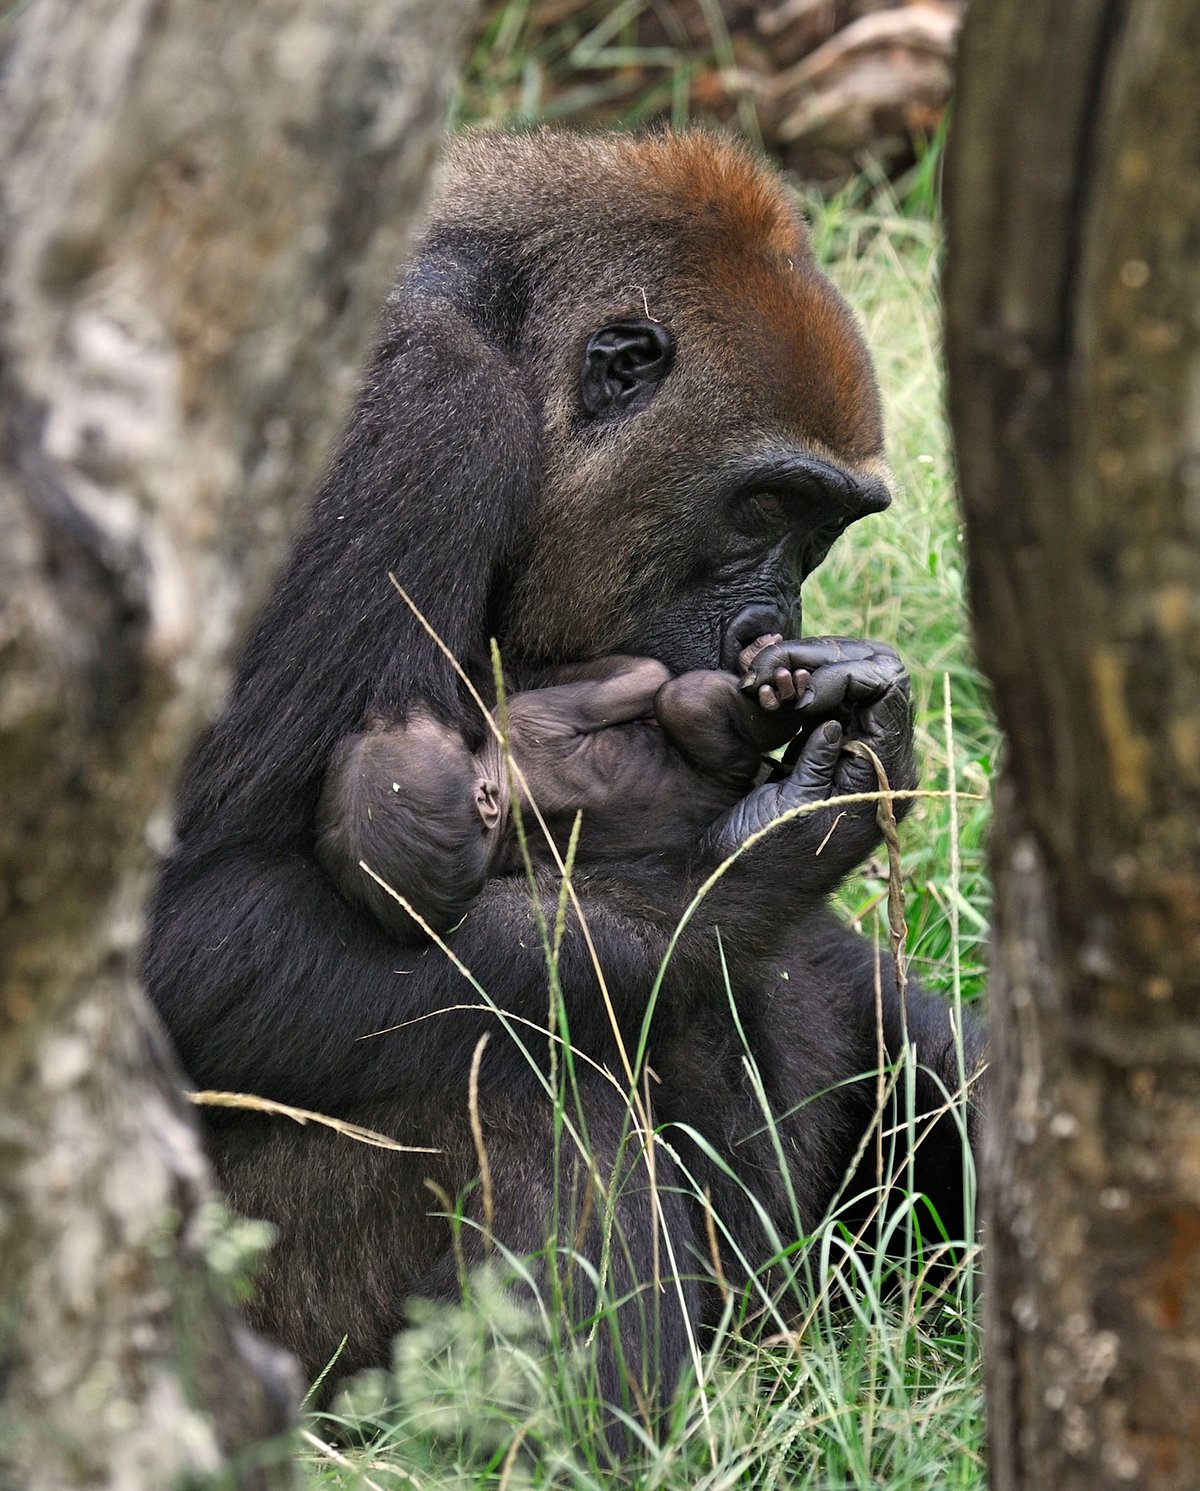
<point>812,776</point>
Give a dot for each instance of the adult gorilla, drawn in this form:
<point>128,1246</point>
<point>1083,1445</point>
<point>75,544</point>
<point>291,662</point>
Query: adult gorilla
<point>614,408</point>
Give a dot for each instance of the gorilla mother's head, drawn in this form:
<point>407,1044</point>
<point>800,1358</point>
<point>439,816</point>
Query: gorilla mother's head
<point>707,415</point>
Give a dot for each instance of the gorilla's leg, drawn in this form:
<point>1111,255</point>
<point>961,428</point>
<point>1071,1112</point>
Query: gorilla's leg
<point>604,1232</point>
<point>788,1098</point>
<point>765,1119</point>
<point>924,1146</point>
<point>353,1225</point>
<point>361,1232</point>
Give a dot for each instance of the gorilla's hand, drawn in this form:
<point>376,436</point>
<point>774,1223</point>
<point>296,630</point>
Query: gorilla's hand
<point>823,676</point>
<point>838,689</point>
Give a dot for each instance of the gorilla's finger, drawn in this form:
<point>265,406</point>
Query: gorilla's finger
<point>813,775</point>
<point>886,727</point>
<point>784,688</point>
<point>887,718</point>
<point>855,774</point>
<point>842,685</point>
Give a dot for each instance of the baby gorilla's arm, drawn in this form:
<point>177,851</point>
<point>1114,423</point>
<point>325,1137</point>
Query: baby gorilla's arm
<point>592,696</point>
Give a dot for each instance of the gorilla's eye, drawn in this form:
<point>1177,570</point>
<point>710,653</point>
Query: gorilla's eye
<point>760,514</point>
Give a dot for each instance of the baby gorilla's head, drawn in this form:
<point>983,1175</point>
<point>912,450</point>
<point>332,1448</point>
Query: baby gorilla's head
<point>442,804</point>
<point>436,776</point>
<point>411,802</point>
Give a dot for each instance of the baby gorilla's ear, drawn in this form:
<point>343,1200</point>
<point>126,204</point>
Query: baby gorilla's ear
<point>487,802</point>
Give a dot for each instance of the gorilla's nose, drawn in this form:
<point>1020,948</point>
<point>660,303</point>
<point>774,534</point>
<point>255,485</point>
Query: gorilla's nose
<point>753,621</point>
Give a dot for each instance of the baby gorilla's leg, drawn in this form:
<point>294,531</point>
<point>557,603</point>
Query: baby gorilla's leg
<point>590,696</point>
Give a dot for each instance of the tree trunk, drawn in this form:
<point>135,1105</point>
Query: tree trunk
<point>202,205</point>
<point>1073,305</point>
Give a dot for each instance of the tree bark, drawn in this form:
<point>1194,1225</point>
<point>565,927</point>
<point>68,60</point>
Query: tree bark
<point>1073,310</point>
<point>202,206</point>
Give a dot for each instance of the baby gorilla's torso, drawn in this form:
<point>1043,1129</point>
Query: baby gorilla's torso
<point>636,791</point>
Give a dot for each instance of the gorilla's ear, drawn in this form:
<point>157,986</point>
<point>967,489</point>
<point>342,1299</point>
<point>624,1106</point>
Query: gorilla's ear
<point>623,365</point>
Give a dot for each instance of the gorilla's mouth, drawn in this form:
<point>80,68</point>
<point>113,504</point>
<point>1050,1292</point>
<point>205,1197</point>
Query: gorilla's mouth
<point>753,621</point>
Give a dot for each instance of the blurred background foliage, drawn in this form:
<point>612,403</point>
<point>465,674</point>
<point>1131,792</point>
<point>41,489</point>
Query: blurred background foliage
<point>829,87</point>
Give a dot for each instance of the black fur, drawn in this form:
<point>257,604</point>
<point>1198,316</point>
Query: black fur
<point>464,471</point>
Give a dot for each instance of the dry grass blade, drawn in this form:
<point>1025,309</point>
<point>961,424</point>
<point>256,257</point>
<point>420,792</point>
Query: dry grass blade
<point>255,1104</point>
<point>885,816</point>
<point>335,1457</point>
<point>485,1169</point>
<point>515,770</point>
<point>492,1009</point>
<point>510,1460</point>
<point>714,1248</point>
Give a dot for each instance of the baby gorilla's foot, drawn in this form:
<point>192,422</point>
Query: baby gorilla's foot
<point>837,689</point>
<point>745,658</point>
<point>824,676</point>
<point>772,679</point>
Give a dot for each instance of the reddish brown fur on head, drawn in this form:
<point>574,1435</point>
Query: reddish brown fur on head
<point>691,231</point>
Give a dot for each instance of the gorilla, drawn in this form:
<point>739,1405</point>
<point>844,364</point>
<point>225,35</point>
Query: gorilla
<point>614,409</point>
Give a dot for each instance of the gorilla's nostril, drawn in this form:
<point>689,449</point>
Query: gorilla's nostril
<point>752,622</point>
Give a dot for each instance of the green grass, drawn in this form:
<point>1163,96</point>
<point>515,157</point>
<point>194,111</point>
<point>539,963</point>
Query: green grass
<point>899,577</point>
<point>869,1397</point>
<point>857,1376</point>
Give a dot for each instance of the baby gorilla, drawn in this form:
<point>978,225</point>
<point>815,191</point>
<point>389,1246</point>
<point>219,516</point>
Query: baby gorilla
<point>655,763</point>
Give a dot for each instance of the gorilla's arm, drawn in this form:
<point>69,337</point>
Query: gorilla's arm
<point>414,490</point>
<point>924,1022</point>
<point>269,980</point>
<point>265,977</point>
